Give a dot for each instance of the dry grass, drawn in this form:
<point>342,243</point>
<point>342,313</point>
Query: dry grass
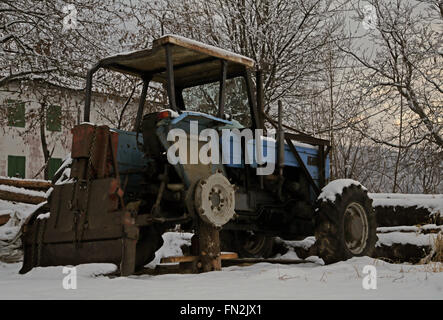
<point>438,247</point>
<point>434,267</point>
<point>434,261</point>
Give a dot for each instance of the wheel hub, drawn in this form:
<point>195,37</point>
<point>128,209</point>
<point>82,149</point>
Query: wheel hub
<point>356,228</point>
<point>215,199</point>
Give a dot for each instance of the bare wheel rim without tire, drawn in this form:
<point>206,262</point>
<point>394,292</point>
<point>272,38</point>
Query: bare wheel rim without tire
<point>356,228</point>
<point>214,199</point>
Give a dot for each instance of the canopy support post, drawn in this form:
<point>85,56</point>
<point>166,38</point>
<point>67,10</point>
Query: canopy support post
<point>170,75</point>
<point>222,90</point>
<point>89,76</point>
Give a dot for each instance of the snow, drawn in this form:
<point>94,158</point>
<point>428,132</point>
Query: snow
<point>5,212</point>
<point>305,244</point>
<point>66,162</point>
<point>416,239</point>
<point>10,243</point>
<point>173,114</point>
<point>48,193</point>
<point>22,210</point>
<point>432,202</point>
<point>20,179</point>
<point>219,51</point>
<point>342,280</point>
<point>336,187</point>
<point>409,228</point>
<point>22,191</point>
<point>172,243</point>
<point>310,280</point>
<point>44,216</point>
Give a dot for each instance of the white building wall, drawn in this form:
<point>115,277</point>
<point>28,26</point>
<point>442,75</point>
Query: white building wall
<point>26,141</point>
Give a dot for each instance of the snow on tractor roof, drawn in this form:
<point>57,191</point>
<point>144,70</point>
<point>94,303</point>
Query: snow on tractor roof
<point>194,62</point>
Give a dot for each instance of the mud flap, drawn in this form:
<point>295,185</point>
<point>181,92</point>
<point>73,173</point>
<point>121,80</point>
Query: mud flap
<point>85,226</point>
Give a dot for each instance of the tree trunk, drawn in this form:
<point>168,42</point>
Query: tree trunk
<point>43,139</point>
<point>397,162</point>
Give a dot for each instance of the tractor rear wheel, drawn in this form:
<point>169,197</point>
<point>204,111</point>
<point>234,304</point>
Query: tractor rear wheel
<point>247,244</point>
<point>345,227</point>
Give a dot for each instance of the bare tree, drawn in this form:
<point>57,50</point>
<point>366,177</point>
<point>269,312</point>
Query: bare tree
<point>404,61</point>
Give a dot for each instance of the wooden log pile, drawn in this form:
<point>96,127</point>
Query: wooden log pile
<point>389,216</point>
<point>410,229</point>
<point>393,209</point>
<point>41,185</point>
<point>23,190</point>
<point>4,218</point>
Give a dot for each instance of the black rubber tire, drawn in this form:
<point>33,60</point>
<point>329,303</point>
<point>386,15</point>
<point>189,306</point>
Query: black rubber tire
<point>330,225</point>
<point>150,240</point>
<point>237,241</point>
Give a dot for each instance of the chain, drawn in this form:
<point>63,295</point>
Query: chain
<point>91,155</point>
<point>89,176</point>
<point>41,232</point>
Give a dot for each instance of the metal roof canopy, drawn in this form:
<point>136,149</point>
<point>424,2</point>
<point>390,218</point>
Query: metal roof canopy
<point>194,63</point>
<point>179,63</point>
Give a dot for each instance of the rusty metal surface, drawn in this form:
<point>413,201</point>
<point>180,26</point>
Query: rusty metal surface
<point>81,140</point>
<point>88,222</point>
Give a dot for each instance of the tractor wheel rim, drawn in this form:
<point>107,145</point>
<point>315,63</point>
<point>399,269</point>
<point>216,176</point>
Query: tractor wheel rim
<point>254,243</point>
<point>355,228</point>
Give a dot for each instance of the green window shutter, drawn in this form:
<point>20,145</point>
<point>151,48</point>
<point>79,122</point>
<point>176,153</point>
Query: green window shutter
<point>16,166</point>
<point>16,113</point>
<point>54,118</point>
<point>53,165</point>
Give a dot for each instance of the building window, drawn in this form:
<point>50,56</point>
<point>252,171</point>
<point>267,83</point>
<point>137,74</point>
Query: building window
<point>16,166</point>
<point>16,113</point>
<point>54,118</point>
<point>53,165</point>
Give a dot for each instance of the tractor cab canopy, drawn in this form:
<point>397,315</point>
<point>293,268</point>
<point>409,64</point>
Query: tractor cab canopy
<point>194,62</point>
<point>179,63</point>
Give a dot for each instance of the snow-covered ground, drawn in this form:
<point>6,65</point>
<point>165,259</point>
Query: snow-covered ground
<point>310,280</point>
<point>261,281</point>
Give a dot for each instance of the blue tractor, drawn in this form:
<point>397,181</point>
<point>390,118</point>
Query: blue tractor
<point>214,169</point>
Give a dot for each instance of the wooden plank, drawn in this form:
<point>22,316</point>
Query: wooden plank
<point>4,219</point>
<point>248,261</point>
<point>223,256</point>
<point>178,259</point>
<point>26,183</point>
<point>20,197</point>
